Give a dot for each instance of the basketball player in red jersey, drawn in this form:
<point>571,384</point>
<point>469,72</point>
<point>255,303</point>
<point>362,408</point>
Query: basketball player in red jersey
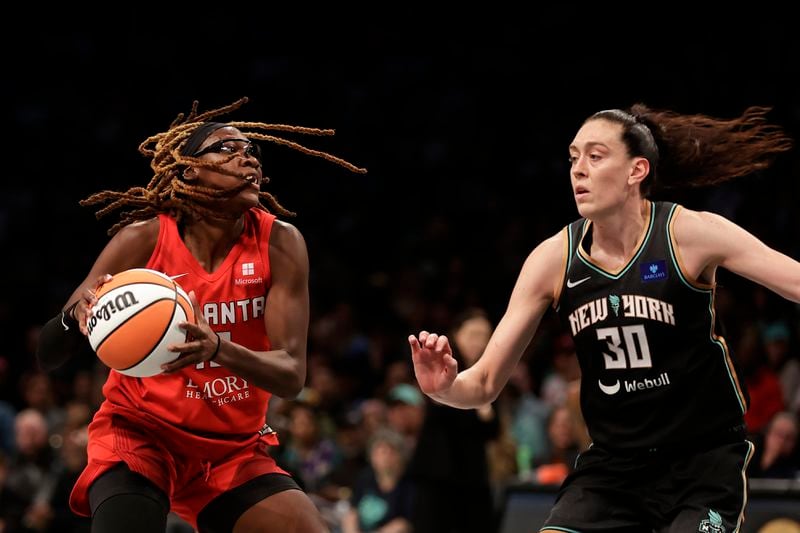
<point>634,281</point>
<point>194,439</point>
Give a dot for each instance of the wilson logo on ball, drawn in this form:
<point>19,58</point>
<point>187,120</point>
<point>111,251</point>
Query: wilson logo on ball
<point>120,303</point>
<point>136,318</point>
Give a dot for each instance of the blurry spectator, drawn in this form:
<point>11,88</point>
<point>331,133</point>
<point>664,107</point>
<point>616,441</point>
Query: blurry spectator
<point>582,437</point>
<point>7,415</point>
<point>449,467</point>
<point>781,360</point>
<point>6,381</point>
<point>780,525</point>
<point>38,393</point>
<point>405,411</point>
<point>83,388</point>
<point>351,439</point>
<point>565,370</point>
<point>30,477</point>
<point>4,507</point>
<point>73,460</point>
<point>563,448</point>
<point>777,456</point>
<point>763,386</point>
<point>527,418</point>
<point>398,372</point>
<point>324,381</point>
<point>308,455</point>
<point>374,413</point>
<point>382,497</point>
<point>312,456</point>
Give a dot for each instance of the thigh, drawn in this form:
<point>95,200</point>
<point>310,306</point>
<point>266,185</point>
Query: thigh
<point>116,440</point>
<point>286,512</point>
<point>239,481</point>
<point>600,495</point>
<point>271,502</point>
<point>120,481</point>
<point>123,501</point>
<point>711,490</point>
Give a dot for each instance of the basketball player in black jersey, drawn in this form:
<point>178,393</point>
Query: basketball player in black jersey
<point>633,280</point>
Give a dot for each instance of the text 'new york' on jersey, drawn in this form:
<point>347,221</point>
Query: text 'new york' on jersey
<point>647,345</point>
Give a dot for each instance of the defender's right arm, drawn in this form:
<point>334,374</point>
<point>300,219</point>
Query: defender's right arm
<point>536,288</point>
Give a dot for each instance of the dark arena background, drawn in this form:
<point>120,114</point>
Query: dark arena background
<point>464,128</point>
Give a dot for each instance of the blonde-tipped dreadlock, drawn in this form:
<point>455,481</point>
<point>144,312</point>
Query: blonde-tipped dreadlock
<point>168,193</point>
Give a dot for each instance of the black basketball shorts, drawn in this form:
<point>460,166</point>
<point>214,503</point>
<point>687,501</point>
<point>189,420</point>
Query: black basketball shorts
<point>664,491</point>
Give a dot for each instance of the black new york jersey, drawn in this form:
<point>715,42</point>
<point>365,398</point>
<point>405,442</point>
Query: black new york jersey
<point>654,371</point>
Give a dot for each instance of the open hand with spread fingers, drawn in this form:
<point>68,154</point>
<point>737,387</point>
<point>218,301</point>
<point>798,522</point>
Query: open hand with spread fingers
<point>434,364</point>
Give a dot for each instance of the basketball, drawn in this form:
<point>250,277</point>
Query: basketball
<point>136,317</point>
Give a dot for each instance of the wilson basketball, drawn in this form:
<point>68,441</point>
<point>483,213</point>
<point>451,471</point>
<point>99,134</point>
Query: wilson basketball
<point>136,317</point>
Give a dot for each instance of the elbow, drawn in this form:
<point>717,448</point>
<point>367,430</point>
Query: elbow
<point>291,391</point>
<point>45,365</point>
<point>491,395</point>
<point>492,387</point>
<point>293,381</point>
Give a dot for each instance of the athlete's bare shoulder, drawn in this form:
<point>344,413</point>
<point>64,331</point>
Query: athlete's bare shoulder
<point>543,269</point>
<point>137,240</point>
<point>285,234</point>
<point>693,228</point>
<point>142,229</point>
<point>286,243</point>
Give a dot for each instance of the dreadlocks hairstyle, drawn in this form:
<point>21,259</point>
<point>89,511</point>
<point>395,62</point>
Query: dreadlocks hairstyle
<point>697,150</point>
<point>168,193</point>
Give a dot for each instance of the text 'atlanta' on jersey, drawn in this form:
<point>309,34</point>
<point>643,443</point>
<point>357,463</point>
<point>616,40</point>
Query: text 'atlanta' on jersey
<point>646,341</point>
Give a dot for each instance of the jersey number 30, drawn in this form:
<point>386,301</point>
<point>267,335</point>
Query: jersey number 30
<point>635,353</point>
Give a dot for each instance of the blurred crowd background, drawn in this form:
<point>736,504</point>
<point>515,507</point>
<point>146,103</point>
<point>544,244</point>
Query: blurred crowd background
<point>465,133</point>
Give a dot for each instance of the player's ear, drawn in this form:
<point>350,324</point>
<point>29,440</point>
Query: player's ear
<point>639,171</point>
<point>189,174</point>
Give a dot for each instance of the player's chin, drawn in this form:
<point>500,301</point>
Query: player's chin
<point>250,196</point>
<point>244,201</point>
<point>585,209</point>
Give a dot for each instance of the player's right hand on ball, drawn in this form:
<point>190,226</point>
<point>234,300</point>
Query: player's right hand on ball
<point>202,343</point>
<point>434,364</point>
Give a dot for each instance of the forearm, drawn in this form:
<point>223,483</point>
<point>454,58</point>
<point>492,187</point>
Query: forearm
<point>468,391</point>
<point>59,340</point>
<point>276,371</point>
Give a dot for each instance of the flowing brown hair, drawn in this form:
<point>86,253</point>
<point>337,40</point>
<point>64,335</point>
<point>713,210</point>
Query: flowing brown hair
<point>167,192</point>
<point>697,150</point>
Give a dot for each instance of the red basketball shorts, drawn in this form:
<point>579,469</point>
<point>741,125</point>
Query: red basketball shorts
<point>192,470</point>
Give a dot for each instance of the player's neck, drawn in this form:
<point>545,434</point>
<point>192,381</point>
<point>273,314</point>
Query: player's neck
<point>211,240</point>
<point>619,234</point>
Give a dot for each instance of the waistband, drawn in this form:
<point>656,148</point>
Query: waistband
<point>690,444</point>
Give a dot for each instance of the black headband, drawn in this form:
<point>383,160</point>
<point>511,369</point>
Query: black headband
<point>199,135</point>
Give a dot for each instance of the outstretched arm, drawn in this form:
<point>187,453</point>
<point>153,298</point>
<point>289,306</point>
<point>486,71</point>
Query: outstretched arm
<point>434,366</point>
<point>706,240</point>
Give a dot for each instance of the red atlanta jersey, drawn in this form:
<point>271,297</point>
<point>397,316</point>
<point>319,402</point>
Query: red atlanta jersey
<point>208,398</point>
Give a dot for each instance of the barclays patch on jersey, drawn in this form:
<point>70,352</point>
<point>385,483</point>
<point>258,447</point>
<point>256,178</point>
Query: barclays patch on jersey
<point>653,271</point>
